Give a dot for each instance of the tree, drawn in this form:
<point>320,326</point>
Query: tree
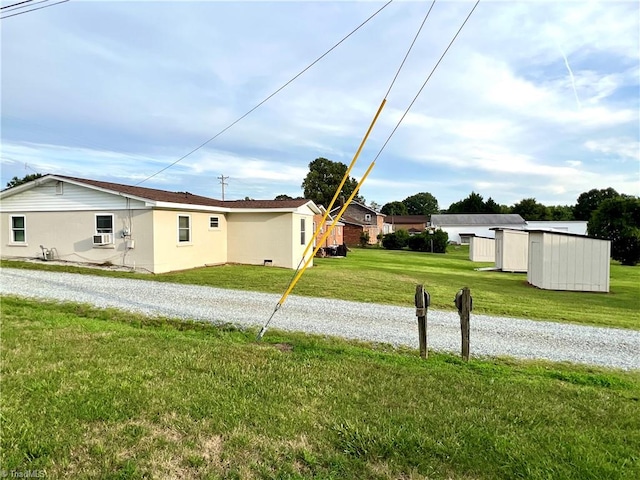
<point>588,202</point>
<point>531,210</point>
<point>374,206</point>
<point>284,196</point>
<point>15,181</point>
<point>561,213</point>
<point>421,204</point>
<point>394,208</point>
<point>322,181</point>
<point>618,219</point>
<point>490,206</point>
<point>474,203</point>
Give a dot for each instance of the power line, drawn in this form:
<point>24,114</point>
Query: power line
<point>406,112</point>
<point>269,97</point>
<point>222,179</point>
<point>19,3</point>
<point>23,6</point>
<point>33,9</point>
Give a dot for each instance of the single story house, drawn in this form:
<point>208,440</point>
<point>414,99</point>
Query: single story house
<point>359,218</point>
<point>411,223</point>
<point>83,220</point>
<point>335,237</point>
<point>461,227</point>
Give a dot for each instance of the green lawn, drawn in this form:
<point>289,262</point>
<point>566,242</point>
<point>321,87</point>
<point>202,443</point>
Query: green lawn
<point>89,393</point>
<point>389,277</point>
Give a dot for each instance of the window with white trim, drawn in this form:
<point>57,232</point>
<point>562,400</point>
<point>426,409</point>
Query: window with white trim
<point>104,223</point>
<point>18,229</point>
<point>214,222</point>
<point>367,217</point>
<point>184,228</point>
<point>303,233</point>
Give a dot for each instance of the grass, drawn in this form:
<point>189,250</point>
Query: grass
<point>90,393</point>
<point>389,277</point>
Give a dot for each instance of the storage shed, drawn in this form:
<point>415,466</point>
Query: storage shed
<point>512,250</point>
<point>482,249</point>
<point>563,261</point>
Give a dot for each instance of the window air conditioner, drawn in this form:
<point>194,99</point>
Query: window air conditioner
<point>102,239</point>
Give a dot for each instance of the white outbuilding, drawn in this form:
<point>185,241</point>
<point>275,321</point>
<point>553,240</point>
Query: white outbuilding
<point>482,249</point>
<point>563,261</point>
<point>512,249</point>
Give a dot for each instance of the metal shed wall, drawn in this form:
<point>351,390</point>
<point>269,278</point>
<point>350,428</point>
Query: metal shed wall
<point>482,249</point>
<point>568,262</point>
<point>512,250</point>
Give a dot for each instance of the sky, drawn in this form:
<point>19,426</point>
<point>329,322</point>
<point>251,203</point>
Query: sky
<point>534,99</point>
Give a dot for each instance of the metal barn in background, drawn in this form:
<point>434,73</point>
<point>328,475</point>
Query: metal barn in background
<point>562,261</point>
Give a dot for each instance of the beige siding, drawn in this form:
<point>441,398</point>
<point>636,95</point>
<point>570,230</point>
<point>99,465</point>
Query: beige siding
<point>207,246</point>
<point>482,249</point>
<point>256,237</point>
<point>512,250</point>
<point>562,262</point>
<point>70,235</point>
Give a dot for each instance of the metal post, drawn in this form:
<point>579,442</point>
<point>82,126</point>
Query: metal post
<point>422,300</point>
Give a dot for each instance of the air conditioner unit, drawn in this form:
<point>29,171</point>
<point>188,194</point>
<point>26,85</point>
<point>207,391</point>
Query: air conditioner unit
<point>103,239</point>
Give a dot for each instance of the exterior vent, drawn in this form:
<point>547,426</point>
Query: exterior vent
<point>103,239</point>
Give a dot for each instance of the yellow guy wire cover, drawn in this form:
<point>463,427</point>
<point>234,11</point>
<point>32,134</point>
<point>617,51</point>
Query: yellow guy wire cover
<point>344,179</point>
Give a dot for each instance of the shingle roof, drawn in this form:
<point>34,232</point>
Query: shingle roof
<point>407,219</point>
<point>479,219</point>
<point>186,197</point>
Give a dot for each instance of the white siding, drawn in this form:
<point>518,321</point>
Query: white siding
<point>512,250</point>
<point>564,262</point>
<point>43,198</point>
<point>482,249</point>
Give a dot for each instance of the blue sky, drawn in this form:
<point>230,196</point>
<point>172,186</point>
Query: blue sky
<point>535,99</point>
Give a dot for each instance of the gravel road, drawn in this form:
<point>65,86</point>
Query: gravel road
<point>490,336</point>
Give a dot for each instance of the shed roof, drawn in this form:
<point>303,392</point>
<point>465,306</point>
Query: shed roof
<point>476,219</point>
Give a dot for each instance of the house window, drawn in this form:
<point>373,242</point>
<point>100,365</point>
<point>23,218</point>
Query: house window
<point>303,233</point>
<point>18,229</point>
<point>214,222</point>
<point>184,228</point>
<point>104,223</point>
<point>367,217</point>
<point>59,188</point>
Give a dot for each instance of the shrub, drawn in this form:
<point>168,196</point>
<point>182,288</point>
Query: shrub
<point>396,240</point>
<point>422,242</point>
<point>364,239</point>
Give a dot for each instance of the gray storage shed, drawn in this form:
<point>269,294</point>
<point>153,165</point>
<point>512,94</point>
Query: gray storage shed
<point>564,261</point>
<point>512,250</point>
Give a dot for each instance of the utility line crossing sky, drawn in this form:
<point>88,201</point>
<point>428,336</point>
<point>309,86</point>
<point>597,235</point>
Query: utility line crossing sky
<point>535,99</point>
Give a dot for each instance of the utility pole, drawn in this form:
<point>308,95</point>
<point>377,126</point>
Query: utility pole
<point>222,179</point>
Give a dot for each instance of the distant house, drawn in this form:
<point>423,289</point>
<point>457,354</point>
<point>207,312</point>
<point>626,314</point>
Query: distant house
<point>411,223</point>
<point>85,220</point>
<point>335,237</point>
<point>358,219</point>
<point>461,227</point>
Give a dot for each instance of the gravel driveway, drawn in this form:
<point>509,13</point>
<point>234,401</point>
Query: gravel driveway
<point>491,336</point>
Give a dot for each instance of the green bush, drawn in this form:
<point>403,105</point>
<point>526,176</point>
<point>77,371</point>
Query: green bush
<point>364,239</point>
<point>422,242</point>
<point>396,240</point>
